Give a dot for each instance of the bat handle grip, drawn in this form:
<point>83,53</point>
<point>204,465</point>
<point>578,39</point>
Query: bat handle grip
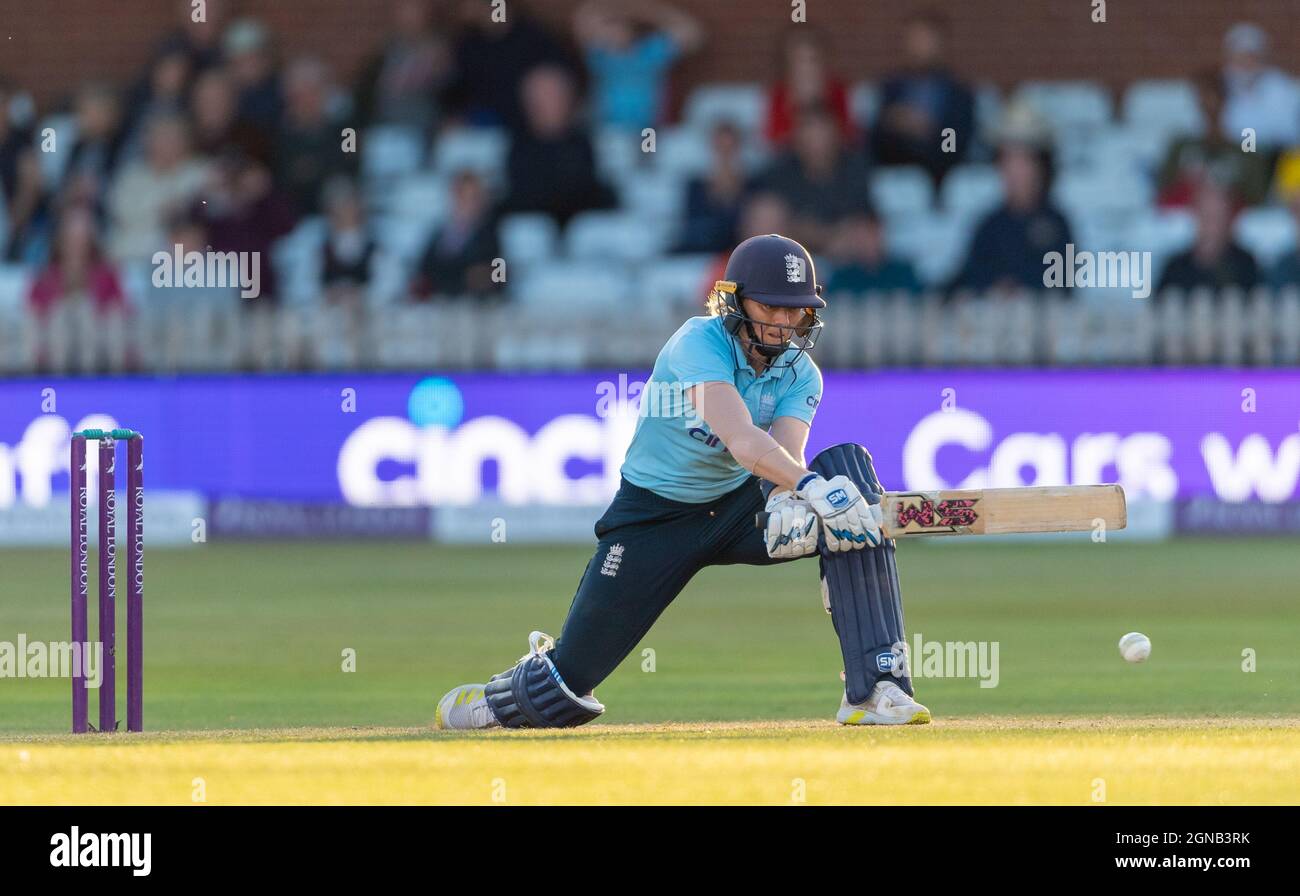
<point>760,520</point>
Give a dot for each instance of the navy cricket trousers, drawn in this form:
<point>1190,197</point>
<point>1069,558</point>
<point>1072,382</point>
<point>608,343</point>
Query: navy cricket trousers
<point>649,548</point>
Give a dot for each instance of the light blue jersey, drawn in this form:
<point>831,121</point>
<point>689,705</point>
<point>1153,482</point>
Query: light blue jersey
<point>673,452</point>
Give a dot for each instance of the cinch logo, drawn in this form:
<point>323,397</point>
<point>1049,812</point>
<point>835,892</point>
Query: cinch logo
<point>700,434</point>
<point>838,498</point>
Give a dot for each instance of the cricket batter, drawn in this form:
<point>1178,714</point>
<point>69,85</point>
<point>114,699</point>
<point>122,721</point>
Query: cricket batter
<point>692,482</point>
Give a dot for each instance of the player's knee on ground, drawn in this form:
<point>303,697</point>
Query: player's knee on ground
<point>531,694</point>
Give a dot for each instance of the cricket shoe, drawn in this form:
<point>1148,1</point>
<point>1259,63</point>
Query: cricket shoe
<point>465,708</point>
<point>887,705</point>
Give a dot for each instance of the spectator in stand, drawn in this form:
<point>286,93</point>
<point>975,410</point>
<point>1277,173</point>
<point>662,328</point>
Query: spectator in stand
<point>1260,96</point>
<point>75,296</point>
<point>492,59</point>
<point>819,178</point>
<point>806,85</point>
<point>459,258</point>
<point>147,191</point>
<point>761,212</point>
<point>1215,259</point>
<point>918,103</point>
<point>551,166</point>
<point>861,262</point>
<point>1006,252</point>
<point>218,130</point>
<point>197,39</point>
<point>163,91</point>
<point>1286,272</point>
<point>309,150</point>
<point>349,249</point>
<point>243,211</point>
<point>405,82</point>
<point>99,138</point>
<point>251,64</point>
<point>26,202</point>
<point>630,46</point>
<point>713,201</point>
<point>1192,161</point>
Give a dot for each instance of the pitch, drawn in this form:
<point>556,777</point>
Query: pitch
<point>291,672</point>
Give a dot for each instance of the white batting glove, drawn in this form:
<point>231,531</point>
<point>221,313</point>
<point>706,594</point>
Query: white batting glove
<point>848,520</point>
<point>791,526</point>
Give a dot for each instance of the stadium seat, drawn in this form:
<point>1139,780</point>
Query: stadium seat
<point>618,152</point>
<point>1068,104</point>
<point>560,287</point>
<point>656,197</point>
<point>389,151</point>
<point>676,281</point>
<point>683,152</point>
<point>1266,232</point>
<point>1163,105</point>
<point>934,243</point>
<point>527,237</point>
<point>478,149</point>
<point>297,260</point>
<point>969,191</point>
<point>901,190</point>
<point>1127,148</point>
<point>743,104</point>
<point>14,280</point>
<point>1089,192</point>
<point>988,110</point>
<point>603,235</point>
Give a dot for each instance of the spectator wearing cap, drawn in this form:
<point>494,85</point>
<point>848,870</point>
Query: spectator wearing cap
<point>458,259</point>
<point>806,85</point>
<point>309,146</point>
<point>629,47</point>
<point>250,60</point>
<point>860,260</point>
<point>1215,260</point>
<point>820,179</point>
<point>405,82</point>
<point>713,200</point>
<point>1193,160</point>
<point>1260,96</point>
<point>551,165</point>
<point>147,191</point>
<point>1007,249</point>
<point>918,103</point>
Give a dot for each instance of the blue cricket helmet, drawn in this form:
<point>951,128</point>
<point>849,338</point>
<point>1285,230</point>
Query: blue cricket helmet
<point>775,270</point>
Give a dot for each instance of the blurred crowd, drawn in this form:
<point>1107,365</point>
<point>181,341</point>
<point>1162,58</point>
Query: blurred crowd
<point>223,142</point>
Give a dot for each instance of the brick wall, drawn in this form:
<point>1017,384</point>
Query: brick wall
<point>51,45</point>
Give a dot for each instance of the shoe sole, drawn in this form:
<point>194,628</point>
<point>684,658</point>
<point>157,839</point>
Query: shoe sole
<point>859,718</point>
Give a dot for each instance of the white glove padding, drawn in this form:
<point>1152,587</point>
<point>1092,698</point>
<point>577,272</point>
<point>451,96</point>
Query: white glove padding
<point>791,526</point>
<point>848,520</point>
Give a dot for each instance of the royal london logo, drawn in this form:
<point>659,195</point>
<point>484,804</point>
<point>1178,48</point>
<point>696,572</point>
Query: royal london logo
<point>613,558</point>
<point>795,269</point>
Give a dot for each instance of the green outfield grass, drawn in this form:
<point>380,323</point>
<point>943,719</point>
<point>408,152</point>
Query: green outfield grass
<point>253,635</point>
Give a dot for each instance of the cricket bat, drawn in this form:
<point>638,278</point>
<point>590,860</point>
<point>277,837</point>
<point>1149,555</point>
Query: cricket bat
<point>999,511</point>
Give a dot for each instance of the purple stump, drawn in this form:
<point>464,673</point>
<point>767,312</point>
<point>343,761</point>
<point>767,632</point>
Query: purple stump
<point>80,582</point>
<point>135,584</point>
<point>108,583</point>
